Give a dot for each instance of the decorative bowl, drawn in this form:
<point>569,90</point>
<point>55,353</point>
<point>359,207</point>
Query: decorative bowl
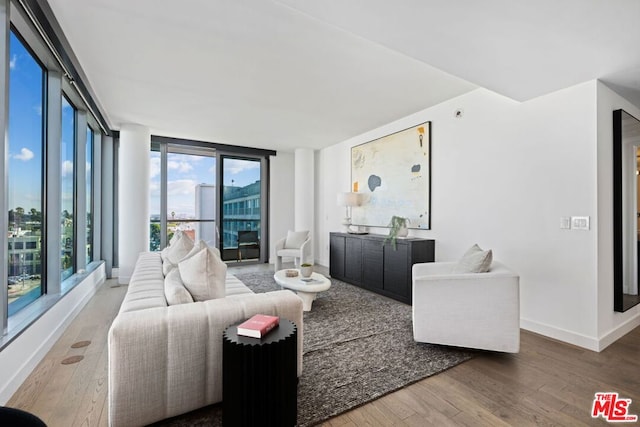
<point>291,273</point>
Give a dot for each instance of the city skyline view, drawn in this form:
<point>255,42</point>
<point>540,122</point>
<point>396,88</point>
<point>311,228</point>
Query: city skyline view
<point>185,172</point>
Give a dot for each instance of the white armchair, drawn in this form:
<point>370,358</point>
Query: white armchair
<point>296,245</point>
<point>473,310</point>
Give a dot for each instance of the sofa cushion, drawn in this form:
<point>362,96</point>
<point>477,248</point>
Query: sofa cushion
<point>203,274</point>
<point>295,239</point>
<point>174,289</point>
<point>233,286</point>
<point>475,260</point>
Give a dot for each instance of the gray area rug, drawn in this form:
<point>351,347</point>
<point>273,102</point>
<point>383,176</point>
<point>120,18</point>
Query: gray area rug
<point>358,346</point>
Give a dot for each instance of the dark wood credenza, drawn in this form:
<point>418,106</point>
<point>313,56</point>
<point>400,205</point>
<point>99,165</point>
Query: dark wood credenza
<point>366,261</point>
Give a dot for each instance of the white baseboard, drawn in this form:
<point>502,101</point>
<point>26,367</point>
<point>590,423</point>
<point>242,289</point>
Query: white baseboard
<point>615,334</point>
<point>584,341</point>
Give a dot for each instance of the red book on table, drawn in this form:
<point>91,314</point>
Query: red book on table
<point>258,326</point>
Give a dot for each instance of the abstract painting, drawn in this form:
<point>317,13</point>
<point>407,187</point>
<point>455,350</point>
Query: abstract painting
<point>394,172</point>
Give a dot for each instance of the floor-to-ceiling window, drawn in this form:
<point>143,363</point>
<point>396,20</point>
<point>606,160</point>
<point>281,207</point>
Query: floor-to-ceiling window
<point>185,193</point>
<point>191,193</point>
<point>25,180</point>
<point>50,140</point>
<point>67,182</point>
<point>89,193</point>
<point>189,196</point>
<point>155,241</point>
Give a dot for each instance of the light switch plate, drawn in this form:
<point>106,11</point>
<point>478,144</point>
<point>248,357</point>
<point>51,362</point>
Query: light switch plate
<point>565,222</point>
<point>580,222</point>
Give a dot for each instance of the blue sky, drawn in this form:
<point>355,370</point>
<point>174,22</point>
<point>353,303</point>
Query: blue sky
<point>26,87</point>
<point>25,128</point>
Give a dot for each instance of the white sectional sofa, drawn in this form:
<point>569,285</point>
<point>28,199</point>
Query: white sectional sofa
<point>166,360</point>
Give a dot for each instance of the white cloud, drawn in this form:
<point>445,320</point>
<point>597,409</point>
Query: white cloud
<point>154,167</point>
<point>38,110</point>
<point>67,167</point>
<point>25,155</point>
<point>13,62</point>
<point>181,187</point>
<point>154,188</point>
<point>88,166</point>
<point>182,166</point>
<point>236,166</point>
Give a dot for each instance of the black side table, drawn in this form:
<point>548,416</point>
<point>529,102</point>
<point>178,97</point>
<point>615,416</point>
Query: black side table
<point>259,377</point>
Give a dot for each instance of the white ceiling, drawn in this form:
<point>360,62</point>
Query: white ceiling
<point>304,73</point>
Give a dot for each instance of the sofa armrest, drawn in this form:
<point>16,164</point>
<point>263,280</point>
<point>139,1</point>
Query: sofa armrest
<point>280,244</point>
<point>431,268</point>
<point>166,361</point>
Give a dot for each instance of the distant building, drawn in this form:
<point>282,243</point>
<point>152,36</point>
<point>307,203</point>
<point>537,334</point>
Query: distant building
<point>206,209</point>
<point>24,252</point>
<point>241,211</point>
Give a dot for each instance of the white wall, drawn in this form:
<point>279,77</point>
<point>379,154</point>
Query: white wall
<point>22,355</point>
<point>611,325</point>
<point>502,176</point>
<point>281,203</point>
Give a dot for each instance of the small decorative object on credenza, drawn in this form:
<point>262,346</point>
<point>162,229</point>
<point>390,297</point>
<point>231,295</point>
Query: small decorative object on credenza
<point>398,228</point>
<point>306,270</point>
<point>350,200</point>
<point>258,326</point>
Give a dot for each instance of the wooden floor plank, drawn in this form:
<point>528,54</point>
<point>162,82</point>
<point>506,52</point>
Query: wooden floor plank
<point>547,383</point>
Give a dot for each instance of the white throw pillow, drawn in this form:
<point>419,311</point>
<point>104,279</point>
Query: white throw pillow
<point>167,266</point>
<point>174,238</point>
<point>204,274</point>
<point>174,289</point>
<point>197,247</point>
<point>474,260</point>
<point>295,239</point>
<point>172,255</point>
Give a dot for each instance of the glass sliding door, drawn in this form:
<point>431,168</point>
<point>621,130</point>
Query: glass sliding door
<point>240,210</point>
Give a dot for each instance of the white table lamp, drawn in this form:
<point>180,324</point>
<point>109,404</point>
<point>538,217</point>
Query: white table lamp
<point>349,200</point>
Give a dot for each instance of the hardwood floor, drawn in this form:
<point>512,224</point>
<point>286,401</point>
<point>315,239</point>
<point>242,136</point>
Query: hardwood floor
<point>547,383</point>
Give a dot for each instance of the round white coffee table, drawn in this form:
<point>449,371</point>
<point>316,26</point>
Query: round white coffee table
<point>306,290</point>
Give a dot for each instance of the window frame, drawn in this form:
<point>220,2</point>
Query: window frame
<point>31,22</point>
<point>16,31</point>
<point>186,146</point>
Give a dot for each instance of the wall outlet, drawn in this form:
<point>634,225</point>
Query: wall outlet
<point>580,222</point>
<point>565,223</point>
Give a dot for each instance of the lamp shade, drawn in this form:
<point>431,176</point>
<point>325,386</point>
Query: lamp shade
<point>349,199</point>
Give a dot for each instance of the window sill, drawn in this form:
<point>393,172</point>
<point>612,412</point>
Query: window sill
<point>21,320</point>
